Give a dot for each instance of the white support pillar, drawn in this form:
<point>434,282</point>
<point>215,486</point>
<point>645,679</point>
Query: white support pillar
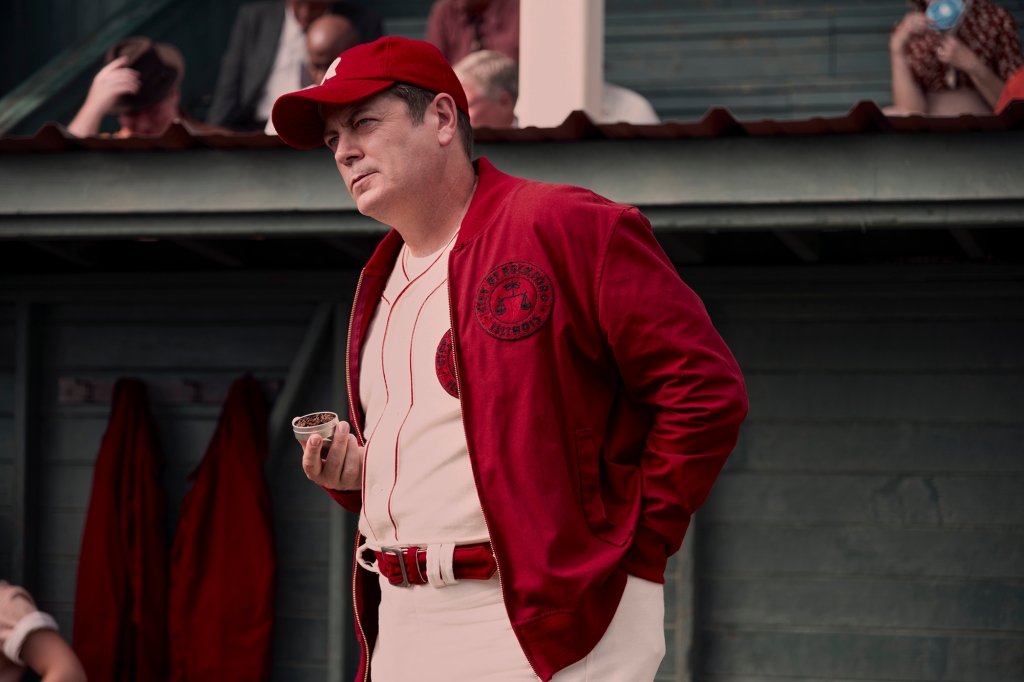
<point>561,60</point>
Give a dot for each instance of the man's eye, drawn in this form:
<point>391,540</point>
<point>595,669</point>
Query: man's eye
<point>333,142</point>
<point>361,122</point>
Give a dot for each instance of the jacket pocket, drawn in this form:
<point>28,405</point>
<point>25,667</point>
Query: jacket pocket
<point>589,462</point>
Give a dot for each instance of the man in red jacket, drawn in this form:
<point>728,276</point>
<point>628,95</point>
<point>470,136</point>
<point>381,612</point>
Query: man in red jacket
<point>538,403</point>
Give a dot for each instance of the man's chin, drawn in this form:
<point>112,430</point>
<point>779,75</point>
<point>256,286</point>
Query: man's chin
<point>368,203</point>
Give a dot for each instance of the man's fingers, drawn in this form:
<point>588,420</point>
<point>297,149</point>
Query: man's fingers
<point>336,455</point>
<point>342,468</point>
<point>311,463</point>
<point>115,64</point>
<point>352,469</point>
<point>127,76</point>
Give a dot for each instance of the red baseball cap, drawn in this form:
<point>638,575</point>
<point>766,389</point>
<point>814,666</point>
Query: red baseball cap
<point>358,73</point>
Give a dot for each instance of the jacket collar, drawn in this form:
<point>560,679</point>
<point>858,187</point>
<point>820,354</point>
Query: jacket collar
<point>491,189</point>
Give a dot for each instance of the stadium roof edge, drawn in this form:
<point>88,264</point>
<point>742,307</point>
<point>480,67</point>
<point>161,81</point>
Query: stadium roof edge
<point>865,117</point>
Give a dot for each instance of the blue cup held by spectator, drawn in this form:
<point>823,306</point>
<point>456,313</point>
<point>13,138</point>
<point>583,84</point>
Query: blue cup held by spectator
<point>945,15</point>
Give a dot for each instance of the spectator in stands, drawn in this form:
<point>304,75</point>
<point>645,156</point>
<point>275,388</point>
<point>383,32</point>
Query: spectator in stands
<point>491,82</point>
<point>327,37</point>
<point>28,637</point>
<point>458,27</point>
<point>962,72</point>
<point>622,105</point>
<point>266,56</point>
<point>140,85</point>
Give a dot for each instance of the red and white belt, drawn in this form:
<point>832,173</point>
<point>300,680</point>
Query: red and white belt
<point>437,565</point>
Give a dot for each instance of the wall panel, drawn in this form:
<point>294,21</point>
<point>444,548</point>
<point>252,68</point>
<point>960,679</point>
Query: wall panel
<point>162,343</point>
<point>6,436</point>
<point>870,524</point>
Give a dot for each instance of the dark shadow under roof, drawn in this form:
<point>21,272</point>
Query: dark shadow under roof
<point>864,117</point>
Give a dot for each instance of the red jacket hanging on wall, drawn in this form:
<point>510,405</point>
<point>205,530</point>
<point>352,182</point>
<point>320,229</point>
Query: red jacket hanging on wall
<point>120,630</point>
<point>221,609</point>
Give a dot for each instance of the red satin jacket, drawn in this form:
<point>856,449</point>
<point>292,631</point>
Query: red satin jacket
<point>121,599</point>
<point>223,567</point>
<point>598,400</point>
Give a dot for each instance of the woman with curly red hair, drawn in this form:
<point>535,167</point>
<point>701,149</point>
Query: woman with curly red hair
<point>961,70</point>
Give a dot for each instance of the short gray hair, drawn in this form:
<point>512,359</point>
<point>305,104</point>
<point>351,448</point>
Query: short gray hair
<point>492,71</point>
<point>418,99</point>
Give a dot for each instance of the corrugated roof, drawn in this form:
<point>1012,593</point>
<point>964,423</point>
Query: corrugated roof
<point>865,117</point>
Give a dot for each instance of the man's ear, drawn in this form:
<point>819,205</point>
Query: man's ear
<point>447,118</point>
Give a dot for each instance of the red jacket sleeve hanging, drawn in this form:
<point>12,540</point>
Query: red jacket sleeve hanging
<point>120,599</point>
<point>223,567</point>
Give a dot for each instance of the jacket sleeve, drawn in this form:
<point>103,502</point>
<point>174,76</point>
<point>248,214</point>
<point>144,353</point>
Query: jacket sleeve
<point>351,500</point>
<point>672,360</point>
<point>228,92</point>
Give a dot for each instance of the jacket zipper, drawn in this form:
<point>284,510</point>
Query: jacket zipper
<point>348,357</point>
<point>355,609</point>
<point>359,436</point>
<point>462,416</point>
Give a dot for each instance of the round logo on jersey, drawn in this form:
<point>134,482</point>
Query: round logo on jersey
<point>514,300</point>
<point>444,364</point>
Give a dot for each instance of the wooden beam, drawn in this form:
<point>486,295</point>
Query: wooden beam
<point>26,447</point>
<point>289,287</point>
<point>345,246</point>
<point>682,217</point>
<point>968,243</point>
<point>63,253</point>
<point>300,375</point>
<point>561,60</point>
<point>340,527</point>
<point>684,249</point>
<point>680,613</point>
<point>287,185</point>
<point>686,635</point>
<point>805,245</point>
<point>209,252</point>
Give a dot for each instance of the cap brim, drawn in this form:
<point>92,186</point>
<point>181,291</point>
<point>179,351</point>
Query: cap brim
<point>296,116</point>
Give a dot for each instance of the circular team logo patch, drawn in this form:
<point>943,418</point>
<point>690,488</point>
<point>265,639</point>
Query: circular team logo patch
<point>514,300</point>
<point>444,364</point>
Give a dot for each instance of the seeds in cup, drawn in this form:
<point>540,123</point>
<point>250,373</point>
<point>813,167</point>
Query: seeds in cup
<point>315,419</point>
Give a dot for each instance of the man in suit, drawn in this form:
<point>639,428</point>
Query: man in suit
<point>266,56</point>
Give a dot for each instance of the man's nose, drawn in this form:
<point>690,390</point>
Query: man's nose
<point>348,150</point>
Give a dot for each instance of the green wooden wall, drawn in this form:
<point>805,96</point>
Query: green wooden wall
<point>869,525</point>
<point>6,437</point>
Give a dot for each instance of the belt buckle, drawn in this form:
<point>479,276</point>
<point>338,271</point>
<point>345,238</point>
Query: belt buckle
<point>400,553</point>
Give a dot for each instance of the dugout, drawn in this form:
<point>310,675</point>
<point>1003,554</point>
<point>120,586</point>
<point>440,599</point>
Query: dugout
<point>868,275</point>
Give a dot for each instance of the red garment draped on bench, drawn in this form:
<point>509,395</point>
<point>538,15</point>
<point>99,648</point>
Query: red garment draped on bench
<point>120,622</point>
<point>222,564</point>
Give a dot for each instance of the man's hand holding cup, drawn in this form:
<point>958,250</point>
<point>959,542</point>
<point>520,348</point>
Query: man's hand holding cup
<point>331,455</point>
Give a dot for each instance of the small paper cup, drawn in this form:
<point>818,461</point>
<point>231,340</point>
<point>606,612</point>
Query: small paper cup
<point>326,430</point>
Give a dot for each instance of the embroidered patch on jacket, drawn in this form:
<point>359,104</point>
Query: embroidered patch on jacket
<point>444,364</point>
<point>514,300</point>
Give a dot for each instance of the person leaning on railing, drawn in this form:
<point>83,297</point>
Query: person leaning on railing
<point>139,84</point>
<point>951,73</point>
